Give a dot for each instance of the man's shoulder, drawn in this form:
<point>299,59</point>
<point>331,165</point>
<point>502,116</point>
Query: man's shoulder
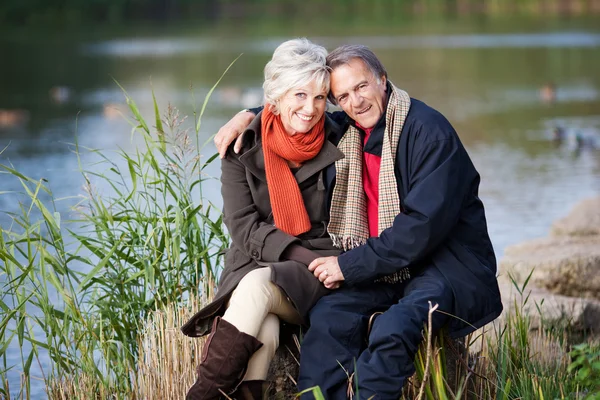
<point>250,139</point>
<point>336,124</point>
<point>422,111</point>
<point>427,123</point>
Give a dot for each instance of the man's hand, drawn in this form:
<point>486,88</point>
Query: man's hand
<point>327,270</point>
<point>232,130</point>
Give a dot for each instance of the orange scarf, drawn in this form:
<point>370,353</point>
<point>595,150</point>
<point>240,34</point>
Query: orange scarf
<point>287,204</point>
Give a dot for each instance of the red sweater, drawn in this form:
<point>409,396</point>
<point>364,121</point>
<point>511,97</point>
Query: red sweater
<point>370,176</point>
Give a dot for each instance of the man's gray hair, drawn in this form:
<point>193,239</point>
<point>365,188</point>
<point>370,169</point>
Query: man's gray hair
<point>345,54</point>
<point>295,63</point>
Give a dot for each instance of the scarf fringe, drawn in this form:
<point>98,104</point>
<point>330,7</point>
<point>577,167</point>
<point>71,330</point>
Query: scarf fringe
<point>347,242</point>
<point>396,277</point>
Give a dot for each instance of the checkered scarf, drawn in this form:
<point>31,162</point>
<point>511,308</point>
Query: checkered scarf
<point>348,225</point>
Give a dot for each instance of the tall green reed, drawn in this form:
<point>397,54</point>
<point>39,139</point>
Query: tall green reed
<point>80,289</point>
<point>530,363</point>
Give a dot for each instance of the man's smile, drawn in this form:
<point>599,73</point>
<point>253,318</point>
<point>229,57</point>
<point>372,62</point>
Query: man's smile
<point>364,110</point>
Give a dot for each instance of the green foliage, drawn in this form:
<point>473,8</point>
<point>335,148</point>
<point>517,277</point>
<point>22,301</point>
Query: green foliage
<point>79,12</point>
<point>80,289</point>
<point>316,392</point>
<point>529,363</point>
<point>585,365</point>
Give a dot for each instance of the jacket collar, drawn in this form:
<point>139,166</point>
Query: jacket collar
<point>253,158</point>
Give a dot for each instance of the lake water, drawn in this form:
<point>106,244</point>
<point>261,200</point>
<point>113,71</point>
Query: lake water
<point>487,79</point>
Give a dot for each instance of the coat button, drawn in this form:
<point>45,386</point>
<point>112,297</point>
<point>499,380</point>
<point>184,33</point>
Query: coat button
<point>254,253</point>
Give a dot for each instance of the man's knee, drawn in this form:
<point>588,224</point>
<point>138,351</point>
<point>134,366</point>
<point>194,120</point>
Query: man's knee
<point>427,290</point>
<point>405,320</point>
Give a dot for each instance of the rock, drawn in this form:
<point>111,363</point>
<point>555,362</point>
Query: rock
<point>543,310</point>
<point>578,314</point>
<point>584,220</point>
<point>563,265</point>
<point>284,368</point>
<point>456,358</point>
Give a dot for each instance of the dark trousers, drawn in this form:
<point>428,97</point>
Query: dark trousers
<point>336,344</point>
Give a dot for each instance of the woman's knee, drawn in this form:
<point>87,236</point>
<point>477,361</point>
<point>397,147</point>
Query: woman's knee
<point>255,284</point>
<point>256,277</point>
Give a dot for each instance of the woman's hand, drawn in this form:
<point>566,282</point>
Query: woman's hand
<point>327,270</point>
<point>231,131</point>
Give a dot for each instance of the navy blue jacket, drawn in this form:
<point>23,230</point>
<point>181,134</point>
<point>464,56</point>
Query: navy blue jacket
<point>442,221</point>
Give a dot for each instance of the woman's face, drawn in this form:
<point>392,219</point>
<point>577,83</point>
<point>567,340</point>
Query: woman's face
<point>301,108</point>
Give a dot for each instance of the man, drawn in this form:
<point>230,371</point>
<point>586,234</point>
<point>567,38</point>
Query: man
<point>405,209</point>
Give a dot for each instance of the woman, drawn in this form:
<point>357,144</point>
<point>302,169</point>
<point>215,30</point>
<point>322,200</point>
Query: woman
<point>274,206</point>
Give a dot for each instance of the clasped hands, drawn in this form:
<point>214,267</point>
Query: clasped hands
<point>327,270</point>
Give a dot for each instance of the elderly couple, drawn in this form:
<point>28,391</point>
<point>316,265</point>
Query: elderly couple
<point>335,217</point>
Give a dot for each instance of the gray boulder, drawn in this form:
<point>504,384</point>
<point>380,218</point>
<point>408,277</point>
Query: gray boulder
<point>583,220</point>
<point>543,309</point>
<point>579,314</point>
<point>566,265</point>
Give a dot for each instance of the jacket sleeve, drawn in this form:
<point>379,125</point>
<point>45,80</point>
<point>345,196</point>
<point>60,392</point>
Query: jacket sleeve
<point>252,235</point>
<point>255,110</point>
<point>439,178</point>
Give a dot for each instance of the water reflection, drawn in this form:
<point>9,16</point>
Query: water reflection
<point>488,85</point>
<point>157,48</point>
<point>13,118</point>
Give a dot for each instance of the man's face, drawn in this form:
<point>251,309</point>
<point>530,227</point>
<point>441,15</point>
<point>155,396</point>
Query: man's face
<point>360,94</point>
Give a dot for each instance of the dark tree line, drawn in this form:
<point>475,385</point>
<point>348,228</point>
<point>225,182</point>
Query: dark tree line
<point>73,12</point>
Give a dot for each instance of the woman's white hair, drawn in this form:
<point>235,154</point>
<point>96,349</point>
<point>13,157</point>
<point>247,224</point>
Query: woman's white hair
<point>295,63</point>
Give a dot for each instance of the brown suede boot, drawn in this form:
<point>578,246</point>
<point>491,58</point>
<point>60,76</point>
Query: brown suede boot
<point>252,390</point>
<point>224,361</point>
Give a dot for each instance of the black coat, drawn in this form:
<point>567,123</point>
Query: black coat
<point>442,221</point>
<point>255,241</point>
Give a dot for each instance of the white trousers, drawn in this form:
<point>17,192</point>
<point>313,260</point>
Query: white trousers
<point>255,308</point>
